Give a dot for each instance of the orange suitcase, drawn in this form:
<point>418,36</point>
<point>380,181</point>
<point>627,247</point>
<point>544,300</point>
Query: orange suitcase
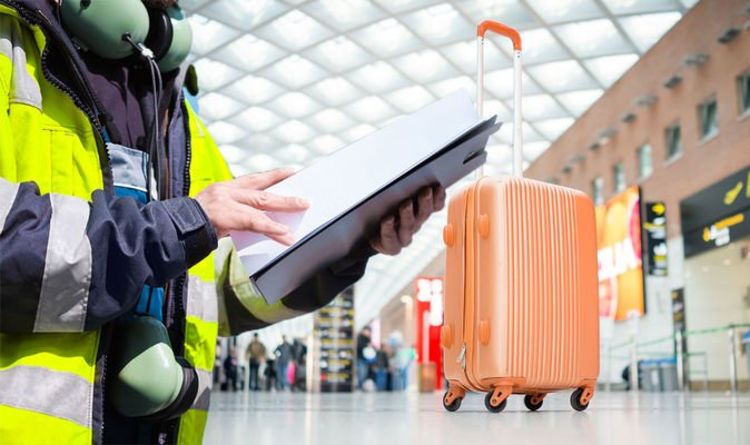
<point>521,304</point>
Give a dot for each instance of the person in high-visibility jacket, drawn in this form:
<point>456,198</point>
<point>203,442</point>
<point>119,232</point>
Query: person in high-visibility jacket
<point>81,243</point>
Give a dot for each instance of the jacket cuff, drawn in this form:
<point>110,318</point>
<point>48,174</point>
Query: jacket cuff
<point>193,228</point>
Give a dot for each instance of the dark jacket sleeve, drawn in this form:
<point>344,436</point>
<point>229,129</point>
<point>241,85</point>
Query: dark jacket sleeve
<point>242,309</point>
<point>68,265</point>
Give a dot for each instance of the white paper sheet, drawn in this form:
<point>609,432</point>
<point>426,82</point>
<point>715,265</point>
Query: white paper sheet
<point>341,180</point>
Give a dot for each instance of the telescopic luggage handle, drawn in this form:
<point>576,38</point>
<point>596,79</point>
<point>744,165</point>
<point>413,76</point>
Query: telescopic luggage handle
<point>515,37</point>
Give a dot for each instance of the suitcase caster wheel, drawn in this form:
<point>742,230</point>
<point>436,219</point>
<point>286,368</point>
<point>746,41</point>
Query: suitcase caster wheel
<point>575,400</point>
<point>453,406</point>
<point>533,402</point>
<point>493,408</point>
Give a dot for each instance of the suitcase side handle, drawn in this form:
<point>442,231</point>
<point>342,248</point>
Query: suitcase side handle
<point>515,37</point>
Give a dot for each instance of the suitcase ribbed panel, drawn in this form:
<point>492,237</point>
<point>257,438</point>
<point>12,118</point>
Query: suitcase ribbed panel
<point>542,287</point>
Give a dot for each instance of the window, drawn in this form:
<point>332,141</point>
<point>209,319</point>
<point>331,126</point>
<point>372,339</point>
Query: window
<point>618,176</point>
<point>644,162</point>
<point>674,141</point>
<point>597,190</point>
<point>743,87</point>
<point>708,119</point>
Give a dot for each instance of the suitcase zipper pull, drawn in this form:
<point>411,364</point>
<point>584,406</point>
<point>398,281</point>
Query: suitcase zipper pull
<point>462,357</point>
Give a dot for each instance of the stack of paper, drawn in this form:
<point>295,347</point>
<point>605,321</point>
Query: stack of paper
<point>352,189</point>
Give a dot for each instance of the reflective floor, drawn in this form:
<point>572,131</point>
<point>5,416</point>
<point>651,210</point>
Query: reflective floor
<point>401,418</point>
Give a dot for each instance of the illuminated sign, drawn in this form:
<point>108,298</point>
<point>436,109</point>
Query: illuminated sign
<point>655,227</point>
<point>618,226</point>
<point>717,214</point>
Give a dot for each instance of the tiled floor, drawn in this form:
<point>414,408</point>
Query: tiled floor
<point>393,418</point>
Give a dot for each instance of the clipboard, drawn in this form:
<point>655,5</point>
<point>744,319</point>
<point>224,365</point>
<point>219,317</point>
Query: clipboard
<point>333,241</point>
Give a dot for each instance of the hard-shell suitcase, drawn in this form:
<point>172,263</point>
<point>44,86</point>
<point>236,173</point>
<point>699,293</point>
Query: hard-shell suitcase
<point>521,305</point>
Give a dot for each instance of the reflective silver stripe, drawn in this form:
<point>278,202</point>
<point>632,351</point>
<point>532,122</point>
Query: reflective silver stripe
<point>203,399</point>
<point>201,301</point>
<point>8,192</point>
<point>24,88</point>
<point>67,269</point>
<point>54,393</point>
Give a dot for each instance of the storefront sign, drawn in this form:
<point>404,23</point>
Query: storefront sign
<point>717,215</point>
<point>655,227</point>
<point>429,319</point>
<point>334,332</point>
<point>618,225</point>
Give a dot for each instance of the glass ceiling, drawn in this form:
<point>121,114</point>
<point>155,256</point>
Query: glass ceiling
<point>284,82</point>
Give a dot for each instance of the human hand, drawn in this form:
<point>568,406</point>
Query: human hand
<point>240,204</point>
<point>396,231</point>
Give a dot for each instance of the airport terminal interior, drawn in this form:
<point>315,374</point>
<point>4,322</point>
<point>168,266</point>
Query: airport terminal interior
<point>643,106</point>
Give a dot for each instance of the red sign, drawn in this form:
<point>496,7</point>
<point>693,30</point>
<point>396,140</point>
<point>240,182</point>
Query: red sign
<point>429,319</point>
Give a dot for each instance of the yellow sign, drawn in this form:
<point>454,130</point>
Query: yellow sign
<point>658,208</point>
<point>732,194</point>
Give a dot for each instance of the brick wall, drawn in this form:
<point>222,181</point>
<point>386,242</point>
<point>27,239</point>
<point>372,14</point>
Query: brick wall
<point>702,162</point>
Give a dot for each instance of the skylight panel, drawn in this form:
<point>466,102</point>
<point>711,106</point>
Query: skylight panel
<point>243,14</point>
<point>639,6</point>
<point>334,91</point>
<point>505,11</point>
<point>579,101</point>
<point>217,106</point>
<point>261,162</point>
<point>248,52</point>
<point>331,120</point>
<point>371,109</point>
<point>553,128</point>
<point>294,30</point>
<point>256,119</point>
<point>566,10</point>
<point>425,66</point>
<point>645,30</point>
<point>213,74</point>
<point>539,46</point>
<point>326,144</point>
<point>209,34</point>
<point>339,54</point>
<point>439,24</point>
<point>541,106</point>
<point>293,153</point>
<point>358,132</point>
<point>293,131</point>
<point>464,55</point>
<point>610,68</point>
<point>448,86</point>
<point>386,38</point>
<point>344,14</point>
<point>562,76</point>
<point>294,72</point>
<point>252,89</point>
<point>378,77</point>
<point>593,38</point>
<point>410,98</point>
<point>225,133</point>
<point>294,104</point>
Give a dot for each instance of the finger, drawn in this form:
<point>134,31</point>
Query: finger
<point>425,205</point>
<point>261,181</point>
<point>263,200</point>
<point>438,197</point>
<point>253,220</point>
<point>388,237</point>
<point>407,223</point>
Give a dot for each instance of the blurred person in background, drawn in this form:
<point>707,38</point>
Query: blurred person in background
<point>256,353</point>
<point>270,375</point>
<point>283,354</point>
<point>230,370</point>
<point>403,356</point>
<point>363,364</point>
